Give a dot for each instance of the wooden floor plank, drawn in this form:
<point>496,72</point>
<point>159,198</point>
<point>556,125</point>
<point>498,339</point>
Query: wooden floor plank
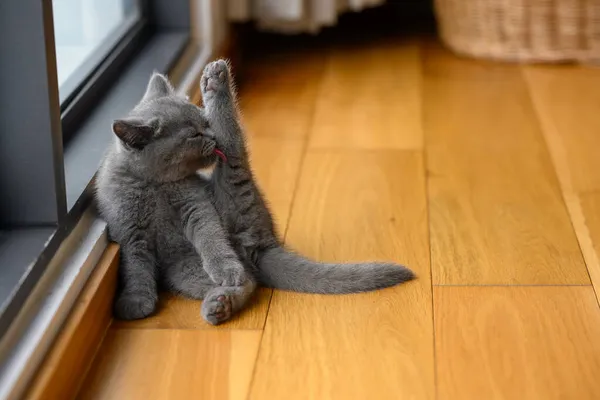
<point>276,164</point>
<point>278,94</point>
<point>173,364</point>
<point>567,110</point>
<point>588,228</point>
<point>567,103</point>
<point>590,203</point>
<point>354,206</point>
<point>370,98</point>
<point>497,213</point>
<point>517,343</point>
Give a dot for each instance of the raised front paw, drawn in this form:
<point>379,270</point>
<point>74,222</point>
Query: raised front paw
<point>129,305</point>
<point>215,79</point>
<point>229,274</point>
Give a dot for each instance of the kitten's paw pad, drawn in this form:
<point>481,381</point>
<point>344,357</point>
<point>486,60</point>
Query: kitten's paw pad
<point>217,309</point>
<point>215,77</point>
<point>134,306</point>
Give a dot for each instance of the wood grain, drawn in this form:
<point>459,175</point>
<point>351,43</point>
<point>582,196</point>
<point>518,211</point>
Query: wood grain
<point>370,98</point>
<point>566,109</point>
<point>181,313</point>
<point>277,96</point>
<point>276,165</point>
<point>173,364</point>
<point>81,335</point>
<point>354,206</point>
<point>517,343</point>
<point>567,105</point>
<point>496,209</point>
<point>588,228</point>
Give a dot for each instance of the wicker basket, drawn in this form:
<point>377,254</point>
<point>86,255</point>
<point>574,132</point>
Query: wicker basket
<point>522,30</point>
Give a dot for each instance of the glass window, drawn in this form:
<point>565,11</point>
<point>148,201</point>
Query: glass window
<point>85,32</point>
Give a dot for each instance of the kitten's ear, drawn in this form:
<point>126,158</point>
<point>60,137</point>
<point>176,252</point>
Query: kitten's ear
<point>133,132</point>
<point>159,86</point>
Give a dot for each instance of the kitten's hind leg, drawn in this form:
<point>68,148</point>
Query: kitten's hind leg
<point>188,278</point>
<point>224,301</point>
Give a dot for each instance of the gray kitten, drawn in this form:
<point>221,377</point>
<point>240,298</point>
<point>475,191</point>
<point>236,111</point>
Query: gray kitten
<point>195,222</point>
<point>160,211</point>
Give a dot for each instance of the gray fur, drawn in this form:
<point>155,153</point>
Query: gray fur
<point>246,217</point>
<point>205,239</point>
<point>160,211</point>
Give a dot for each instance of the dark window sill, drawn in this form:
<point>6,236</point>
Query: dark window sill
<point>18,249</point>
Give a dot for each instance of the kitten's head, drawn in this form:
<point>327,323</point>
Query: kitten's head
<point>165,136</point>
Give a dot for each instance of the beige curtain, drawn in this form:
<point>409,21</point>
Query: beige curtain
<point>294,16</point>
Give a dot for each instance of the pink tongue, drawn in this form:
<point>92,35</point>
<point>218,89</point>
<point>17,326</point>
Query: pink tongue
<point>221,155</point>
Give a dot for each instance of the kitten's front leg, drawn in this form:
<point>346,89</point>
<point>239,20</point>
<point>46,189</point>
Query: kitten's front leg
<point>220,103</point>
<point>138,295</point>
<point>203,229</point>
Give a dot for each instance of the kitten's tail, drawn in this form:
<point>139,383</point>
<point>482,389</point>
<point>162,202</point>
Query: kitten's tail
<point>282,269</point>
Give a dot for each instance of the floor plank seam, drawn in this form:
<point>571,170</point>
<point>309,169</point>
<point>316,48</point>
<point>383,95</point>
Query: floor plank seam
<point>516,285</point>
<point>584,240</point>
<point>425,181</point>
<point>260,342</point>
<point>305,143</point>
<point>563,176</point>
<point>427,216</point>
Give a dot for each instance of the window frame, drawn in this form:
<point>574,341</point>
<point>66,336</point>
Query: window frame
<point>94,86</point>
<point>55,136</point>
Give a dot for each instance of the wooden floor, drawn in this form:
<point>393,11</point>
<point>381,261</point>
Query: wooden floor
<point>483,178</point>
